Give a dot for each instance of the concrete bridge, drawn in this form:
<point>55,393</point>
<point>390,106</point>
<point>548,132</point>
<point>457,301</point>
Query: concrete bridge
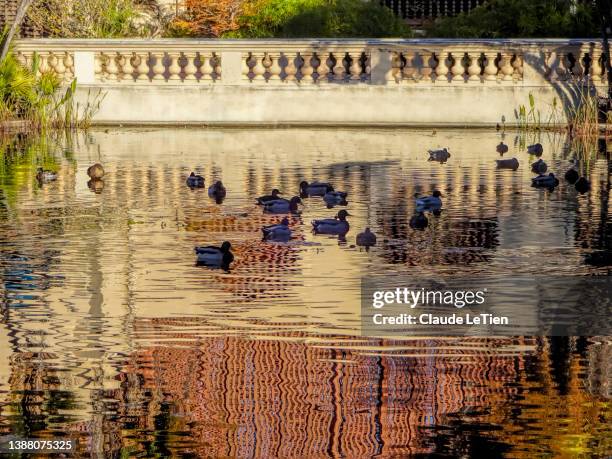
<point>376,82</point>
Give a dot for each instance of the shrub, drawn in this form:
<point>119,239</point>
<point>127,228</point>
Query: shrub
<point>318,18</point>
<point>521,18</point>
<point>87,18</point>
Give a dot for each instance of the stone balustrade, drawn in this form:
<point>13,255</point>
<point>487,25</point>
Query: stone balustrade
<point>520,66</point>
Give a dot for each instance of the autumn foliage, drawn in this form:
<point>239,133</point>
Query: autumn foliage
<point>207,18</point>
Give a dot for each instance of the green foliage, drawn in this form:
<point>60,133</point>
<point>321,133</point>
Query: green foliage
<point>318,18</point>
<point>521,18</point>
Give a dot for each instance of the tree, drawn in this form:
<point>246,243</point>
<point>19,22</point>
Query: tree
<point>22,9</point>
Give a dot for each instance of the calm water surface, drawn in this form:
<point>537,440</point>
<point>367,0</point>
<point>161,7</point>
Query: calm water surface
<point>109,332</point>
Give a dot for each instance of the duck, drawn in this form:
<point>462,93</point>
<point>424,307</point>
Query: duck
<point>366,239</point>
<point>45,175</point>
<point>432,201</point>
<point>582,185</point>
<point>277,232</point>
<point>95,172</point>
<point>418,221</point>
<point>283,206</point>
<point>335,197</point>
<point>545,181</point>
<point>535,149</point>
<point>195,181</point>
<point>315,188</point>
<point>501,148</point>
<point>572,176</point>
<point>217,190</point>
<point>269,197</point>
<point>216,256</point>
<point>511,163</point>
<point>539,167</point>
<point>337,225</point>
<point>440,155</point>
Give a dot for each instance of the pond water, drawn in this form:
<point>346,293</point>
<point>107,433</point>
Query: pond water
<point>110,333</point>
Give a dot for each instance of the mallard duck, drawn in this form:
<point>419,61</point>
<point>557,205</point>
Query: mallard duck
<point>314,188</point>
<point>216,256</point>
<point>337,225</point>
<point>418,221</point>
<point>440,156</point>
<point>283,206</point>
<point>277,232</point>
<point>582,185</point>
<point>429,202</point>
<point>572,176</point>
<point>545,181</point>
<point>539,167</point>
<point>269,197</point>
<point>511,163</point>
<point>45,176</point>
<point>535,149</point>
<point>217,190</point>
<point>96,171</point>
<point>501,148</point>
<point>335,197</point>
<point>195,181</point>
<point>366,239</point>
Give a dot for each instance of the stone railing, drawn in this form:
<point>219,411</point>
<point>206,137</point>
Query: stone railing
<point>315,62</point>
<point>323,82</point>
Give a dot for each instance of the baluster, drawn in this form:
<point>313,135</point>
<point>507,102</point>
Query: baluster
<point>22,59</point>
<point>258,70</point>
<point>127,69</point>
<point>561,70</point>
<point>457,70</point>
<point>474,67</point>
<point>98,67</point>
<point>159,69</point>
<point>323,67</point>
<point>267,63</point>
<point>246,67</point>
<point>355,68</point>
<point>517,65</point>
<point>190,67</point>
<point>174,70</point>
<point>409,71</point>
<point>275,69</point>
<point>111,67</point>
<point>596,68</point>
<point>339,68</point>
<point>506,66</point>
<point>490,69</point>
<point>442,68</point>
<point>395,72</point>
<point>206,69</point>
<point>217,66</point>
<point>307,68</point>
<point>142,70</point>
<point>579,69</point>
<point>43,64</point>
<point>368,67</point>
<point>426,66</point>
<point>60,67</point>
<point>290,69</point>
<point>69,65</point>
<point>52,61</point>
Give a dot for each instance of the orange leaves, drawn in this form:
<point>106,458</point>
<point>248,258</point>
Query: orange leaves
<point>208,18</point>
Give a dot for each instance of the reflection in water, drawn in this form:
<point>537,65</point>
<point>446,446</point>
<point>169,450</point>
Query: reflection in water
<point>110,332</point>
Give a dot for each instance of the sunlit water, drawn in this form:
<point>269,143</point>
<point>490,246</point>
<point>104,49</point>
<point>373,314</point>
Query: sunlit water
<point>111,333</point>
